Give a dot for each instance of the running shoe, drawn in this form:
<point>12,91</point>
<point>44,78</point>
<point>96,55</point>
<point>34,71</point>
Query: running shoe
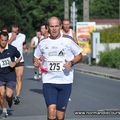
<point>69,99</point>
<point>16,100</point>
<point>4,115</point>
<point>40,76</point>
<point>36,76</point>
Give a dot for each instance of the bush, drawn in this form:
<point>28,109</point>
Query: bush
<point>110,58</point>
<point>110,35</point>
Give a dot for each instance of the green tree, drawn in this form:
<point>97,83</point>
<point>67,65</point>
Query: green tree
<point>29,13</point>
<point>104,8</point>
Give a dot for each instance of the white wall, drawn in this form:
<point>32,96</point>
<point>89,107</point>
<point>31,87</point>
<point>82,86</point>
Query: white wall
<point>101,47</point>
<point>103,26</point>
<point>104,46</point>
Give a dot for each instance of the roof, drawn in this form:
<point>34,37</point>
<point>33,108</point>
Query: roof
<point>106,21</point>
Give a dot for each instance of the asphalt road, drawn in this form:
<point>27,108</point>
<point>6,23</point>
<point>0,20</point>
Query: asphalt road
<point>90,93</point>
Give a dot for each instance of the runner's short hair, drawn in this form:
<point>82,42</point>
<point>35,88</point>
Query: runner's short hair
<point>4,34</point>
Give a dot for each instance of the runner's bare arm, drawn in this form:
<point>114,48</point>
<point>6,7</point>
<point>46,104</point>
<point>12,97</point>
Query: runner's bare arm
<point>12,38</point>
<point>13,64</point>
<point>76,60</point>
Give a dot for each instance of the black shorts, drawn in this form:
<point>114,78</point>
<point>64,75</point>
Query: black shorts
<point>19,64</point>
<point>8,80</point>
<point>57,94</point>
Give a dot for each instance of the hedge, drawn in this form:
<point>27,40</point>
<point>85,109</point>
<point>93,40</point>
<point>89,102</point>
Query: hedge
<point>111,35</point>
<point>110,58</point>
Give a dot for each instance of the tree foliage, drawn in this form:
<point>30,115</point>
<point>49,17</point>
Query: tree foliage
<point>30,13</point>
<point>104,8</point>
<point>110,35</point>
<point>110,58</point>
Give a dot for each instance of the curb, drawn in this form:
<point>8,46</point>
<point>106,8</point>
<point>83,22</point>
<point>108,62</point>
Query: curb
<point>90,72</point>
<point>98,73</point>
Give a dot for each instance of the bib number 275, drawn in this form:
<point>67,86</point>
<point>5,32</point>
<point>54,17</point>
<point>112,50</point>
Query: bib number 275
<point>55,66</point>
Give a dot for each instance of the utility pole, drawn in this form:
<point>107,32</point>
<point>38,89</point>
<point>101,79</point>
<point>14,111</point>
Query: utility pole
<point>66,9</point>
<point>86,10</point>
<point>73,15</point>
<point>119,11</point>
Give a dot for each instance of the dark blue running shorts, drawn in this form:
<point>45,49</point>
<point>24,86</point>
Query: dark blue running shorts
<point>57,94</point>
<point>8,80</point>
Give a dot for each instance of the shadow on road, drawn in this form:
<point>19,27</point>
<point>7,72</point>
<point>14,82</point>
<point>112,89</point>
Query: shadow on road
<point>37,91</point>
<point>34,79</point>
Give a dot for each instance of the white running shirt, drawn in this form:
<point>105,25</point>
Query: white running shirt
<point>36,41</point>
<point>70,33</point>
<point>18,43</point>
<point>55,53</point>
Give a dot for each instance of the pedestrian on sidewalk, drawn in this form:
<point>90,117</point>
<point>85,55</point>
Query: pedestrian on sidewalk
<point>59,53</point>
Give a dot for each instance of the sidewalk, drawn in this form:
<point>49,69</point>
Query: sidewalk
<point>97,70</point>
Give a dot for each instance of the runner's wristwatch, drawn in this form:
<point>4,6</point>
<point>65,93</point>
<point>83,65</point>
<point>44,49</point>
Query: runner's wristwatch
<point>72,63</point>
